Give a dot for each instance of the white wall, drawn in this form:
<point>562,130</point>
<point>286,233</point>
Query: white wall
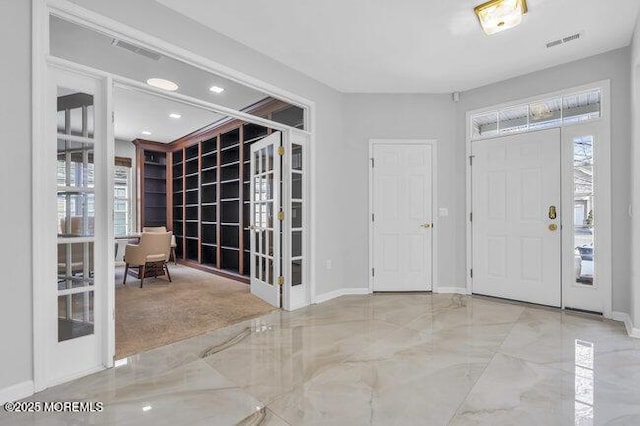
<point>419,116</point>
<point>613,65</point>
<point>15,209</point>
<point>635,159</point>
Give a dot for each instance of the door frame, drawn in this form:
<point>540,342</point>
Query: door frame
<point>434,203</point>
<point>602,186</point>
<point>41,59</point>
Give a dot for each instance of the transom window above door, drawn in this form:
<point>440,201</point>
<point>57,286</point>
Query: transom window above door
<point>557,111</point>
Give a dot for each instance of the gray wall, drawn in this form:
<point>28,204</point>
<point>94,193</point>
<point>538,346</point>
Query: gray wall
<point>612,65</point>
<point>15,210</point>
<point>418,116</point>
<point>635,159</point>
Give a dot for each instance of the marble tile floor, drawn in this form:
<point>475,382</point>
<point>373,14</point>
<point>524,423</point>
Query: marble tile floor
<point>384,359</point>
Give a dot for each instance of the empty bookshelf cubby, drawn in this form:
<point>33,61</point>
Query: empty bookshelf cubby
<point>153,187</point>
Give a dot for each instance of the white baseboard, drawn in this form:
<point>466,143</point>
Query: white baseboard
<point>16,392</point>
<point>450,290</point>
<point>628,324</point>
<point>339,292</point>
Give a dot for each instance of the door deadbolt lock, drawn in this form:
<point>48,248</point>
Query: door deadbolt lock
<point>426,225</point>
<point>552,212</point>
<point>553,227</point>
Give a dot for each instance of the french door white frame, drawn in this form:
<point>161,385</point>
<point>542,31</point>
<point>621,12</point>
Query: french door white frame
<point>602,187</point>
<point>434,205</point>
<point>41,59</point>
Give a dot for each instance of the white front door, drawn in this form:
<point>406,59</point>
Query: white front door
<point>517,216</point>
<point>266,225</point>
<point>77,174</point>
<point>402,191</point>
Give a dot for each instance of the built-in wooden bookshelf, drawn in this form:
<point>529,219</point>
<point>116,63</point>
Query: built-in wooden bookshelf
<point>207,187</point>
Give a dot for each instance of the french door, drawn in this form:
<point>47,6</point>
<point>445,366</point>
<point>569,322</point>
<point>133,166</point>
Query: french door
<point>266,214</point>
<point>278,226</point>
<point>402,215</point>
<point>77,174</point>
<point>517,217</point>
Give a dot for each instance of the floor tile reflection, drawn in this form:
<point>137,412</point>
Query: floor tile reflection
<point>392,359</point>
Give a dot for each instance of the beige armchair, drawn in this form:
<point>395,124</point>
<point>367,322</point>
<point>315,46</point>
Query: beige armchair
<point>149,256</point>
<point>174,244</point>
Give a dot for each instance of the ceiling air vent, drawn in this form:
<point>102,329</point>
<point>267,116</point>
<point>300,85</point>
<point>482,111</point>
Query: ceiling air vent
<point>135,49</point>
<point>564,40</point>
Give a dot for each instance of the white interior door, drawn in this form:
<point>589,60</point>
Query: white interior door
<point>265,205</point>
<point>402,191</point>
<point>584,232</point>
<point>295,204</point>
<point>516,217</point>
<point>77,172</point>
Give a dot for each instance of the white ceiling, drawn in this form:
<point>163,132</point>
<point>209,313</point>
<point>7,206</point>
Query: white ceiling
<point>428,46</point>
<point>136,111</point>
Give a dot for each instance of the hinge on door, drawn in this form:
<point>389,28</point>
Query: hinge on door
<point>280,280</point>
<point>471,272</point>
<point>373,272</point>
<point>372,163</point>
<point>471,217</point>
<point>373,217</point>
<point>471,160</point>
<point>281,150</point>
<point>280,215</point>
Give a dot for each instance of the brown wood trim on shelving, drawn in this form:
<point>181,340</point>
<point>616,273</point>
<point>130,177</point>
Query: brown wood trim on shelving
<point>262,108</point>
<point>169,177</point>
<point>218,204</point>
<point>241,201</point>
<point>199,186</point>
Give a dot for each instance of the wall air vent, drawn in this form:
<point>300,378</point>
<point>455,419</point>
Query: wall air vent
<point>564,40</point>
<point>135,49</point>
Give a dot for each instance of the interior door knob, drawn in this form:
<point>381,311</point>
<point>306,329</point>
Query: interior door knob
<point>426,225</point>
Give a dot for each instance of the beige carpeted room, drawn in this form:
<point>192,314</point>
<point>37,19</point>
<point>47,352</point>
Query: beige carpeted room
<point>164,312</point>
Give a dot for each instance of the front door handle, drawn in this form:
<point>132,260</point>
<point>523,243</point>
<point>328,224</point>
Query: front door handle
<point>426,225</point>
<point>552,212</point>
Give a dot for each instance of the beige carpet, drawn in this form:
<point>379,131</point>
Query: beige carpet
<point>161,312</point>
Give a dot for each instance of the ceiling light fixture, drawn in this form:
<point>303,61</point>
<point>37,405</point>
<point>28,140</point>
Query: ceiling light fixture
<point>499,15</point>
<point>146,132</point>
<point>163,84</point>
<point>216,89</point>
<point>174,115</point>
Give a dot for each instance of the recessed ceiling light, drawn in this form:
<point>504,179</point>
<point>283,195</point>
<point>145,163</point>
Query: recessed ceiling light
<point>146,408</point>
<point>216,89</point>
<point>174,115</point>
<point>161,83</point>
<point>146,132</point>
<point>500,15</point>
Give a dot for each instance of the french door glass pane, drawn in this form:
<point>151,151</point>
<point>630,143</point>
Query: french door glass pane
<point>75,265</point>
<point>75,315</point>
<point>583,214</point>
<point>75,213</point>
<point>297,251</point>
